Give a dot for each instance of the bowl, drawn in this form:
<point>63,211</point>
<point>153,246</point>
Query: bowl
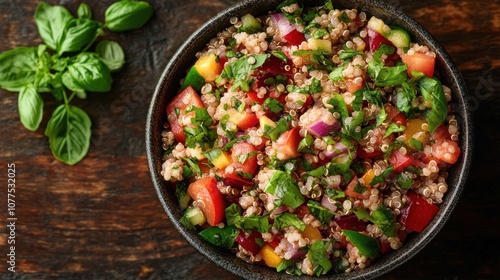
<point>168,86</point>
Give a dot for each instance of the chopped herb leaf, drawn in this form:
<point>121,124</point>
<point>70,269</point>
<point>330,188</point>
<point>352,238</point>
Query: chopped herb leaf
<point>305,144</point>
<point>394,128</point>
<point>337,74</point>
<point>280,55</point>
<point>416,144</point>
<point>319,212</point>
<point>231,143</point>
<point>319,258</point>
<point>273,105</point>
<point>193,164</point>
<point>221,237</point>
<point>404,181</point>
<point>380,178</point>
<point>345,18</point>
<point>314,87</point>
<point>349,53</point>
<point>319,33</point>
<point>432,91</point>
<point>360,188</point>
<point>334,193</point>
<point>288,219</point>
<point>283,186</point>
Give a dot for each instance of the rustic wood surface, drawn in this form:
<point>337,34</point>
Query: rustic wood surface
<point>102,218</point>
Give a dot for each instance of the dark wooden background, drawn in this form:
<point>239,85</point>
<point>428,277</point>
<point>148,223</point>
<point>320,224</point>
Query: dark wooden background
<point>102,219</point>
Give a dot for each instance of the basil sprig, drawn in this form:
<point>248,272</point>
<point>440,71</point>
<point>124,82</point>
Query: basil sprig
<point>63,64</point>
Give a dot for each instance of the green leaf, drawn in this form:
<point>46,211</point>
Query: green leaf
<point>340,106</point>
<point>366,245</point>
<point>221,237</point>
<point>387,76</point>
<point>127,15</point>
<point>69,133</point>
<point>288,219</point>
<point>77,34</point>
<point>432,91</point>
<point>319,258</point>
<point>283,186</point>
<point>380,178</point>
<point>404,181</point>
<point>84,11</point>
<point>18,68</point>
<point>88,72</point>
<point>385,220</point>
<point>314,87</point>
<point>349,53</point>
<point>273,105</point>
<point>111,53</point>
<point>240,69</point>
<point>30,107</point>
<point>319,212</point>
<point>393,128</point>
<point>337,74</point>
<point>405,97</point>
<point>51,22</point>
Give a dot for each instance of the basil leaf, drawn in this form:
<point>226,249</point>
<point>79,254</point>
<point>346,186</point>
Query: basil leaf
<point>387,76</point>
<point>233,214</point>
<point>334,193</point>
<point>273,105</point>
<point>88,72</point>
<point>111,53</point>
<point>51,22</point>
<point>416,144</point>
<point>404,181</point>
<point>260,223</point>
<point>366,245</point>
<point>30,107</point>
<point>337,74</point>
<point>314,87</point>
<point>69,133</point>
<point>319,212</point>
<point>319,258</point>
<point>221,237</point>
<point>432,91</point>
<point>305,144</point>
<point>241,68</point>
<point>77,34</point>
<point>84,11</point>
<point>404,98</point>
<point>385,220</point>
<point>392,128</point>
<point>340,106</point>
<point>18,68</point>
<point>349,53</point>
<point>283,186</point>
<point>127,15</point>
<point>288,219</point>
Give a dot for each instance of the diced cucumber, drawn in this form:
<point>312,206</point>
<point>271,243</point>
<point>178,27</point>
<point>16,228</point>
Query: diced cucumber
<point>377,25</point>
<point>194,79</point>
<point>399,37</point>
<point>320,44</point>
<point>250,24</point>
<point>194,216</point>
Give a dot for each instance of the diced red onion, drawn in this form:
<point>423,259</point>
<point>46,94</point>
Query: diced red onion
<point>320,128</point>
<point>325,202</point>
<point>338,149</point>
<point>333,181</point>
<point>282,23</point>
<point>294,250</point>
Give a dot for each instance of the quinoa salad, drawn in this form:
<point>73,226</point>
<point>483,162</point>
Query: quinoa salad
<point>312,140</point>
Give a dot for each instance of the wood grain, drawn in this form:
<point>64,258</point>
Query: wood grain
<point>101,219</point>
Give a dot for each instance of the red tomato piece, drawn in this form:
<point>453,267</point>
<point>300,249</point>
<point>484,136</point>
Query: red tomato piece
<point>355,189</point>
<point>351,86</point>
<point>235,180</point>
<point>376,40</point>
<point>276,66</point>
<point>441,133</point>
<point>287,144</point>
<point>400,162</point>
<point>294,37</point>
<point>276,240</point>
<point>394,115</point>
<point>211,201</point>
<point>301,211</point>
<point>248,120</point>
<point>447,151</point>
<point>244,157</point>
<point>420,62</point>
<point>177,107</point>
<point>255,97</point>
<point>417,213</point>
<point>248,241</point>
<point>350,222</point>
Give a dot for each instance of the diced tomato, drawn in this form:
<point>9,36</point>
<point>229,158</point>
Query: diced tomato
<point>301,211</point>
<point>385,246</point>
<point>255,97</point>
<point>363,154</point>
<point>447,151</point>
<point>276,66</point>
<point>355,189</point>
<point>249,242</point>
<point>244,157</point>
<point>212,204</point>
<point>176,108</point>
<point>276,240</point>
<point>248,120</point>
<point>441,133</point>
<point>376,40</point>
<point>287,144</point>
<point>394,115</point>
<point>351,86</point>
<point>235,180</point>
<point>294,37</point>
<point>350,222</point>
<point>400,162</point>
<point>420,62</point>
<point>417,213</point>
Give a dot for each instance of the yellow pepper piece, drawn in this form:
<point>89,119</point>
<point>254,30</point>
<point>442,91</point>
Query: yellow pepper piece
<point>269,256</point>
<point>208,67</point>
<point>312,233</point>
<point>418,129</point>
<point>222,161</point>
<point>368,177</point>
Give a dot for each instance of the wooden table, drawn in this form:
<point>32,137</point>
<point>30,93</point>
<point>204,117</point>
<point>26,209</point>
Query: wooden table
<point>101,218</point>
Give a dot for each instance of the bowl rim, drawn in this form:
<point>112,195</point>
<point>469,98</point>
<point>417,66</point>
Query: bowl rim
<point>412,247</point>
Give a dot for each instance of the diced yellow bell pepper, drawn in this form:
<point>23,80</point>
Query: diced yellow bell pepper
<point>320,44</point>
<point>269,256</point>
<point>368,177</point>
<point>208,67</point>
<point>312,233</point>
<point>222,161</point>
<point>415,128</point>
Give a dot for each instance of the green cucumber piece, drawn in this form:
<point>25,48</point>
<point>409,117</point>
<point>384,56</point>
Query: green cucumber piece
<point>250,24</point>
<point>194,79</point>
<point>195,216</point>
<point>399,37</point>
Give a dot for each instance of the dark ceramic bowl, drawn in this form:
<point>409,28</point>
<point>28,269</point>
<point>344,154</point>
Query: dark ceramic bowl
<point>168,86</point>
